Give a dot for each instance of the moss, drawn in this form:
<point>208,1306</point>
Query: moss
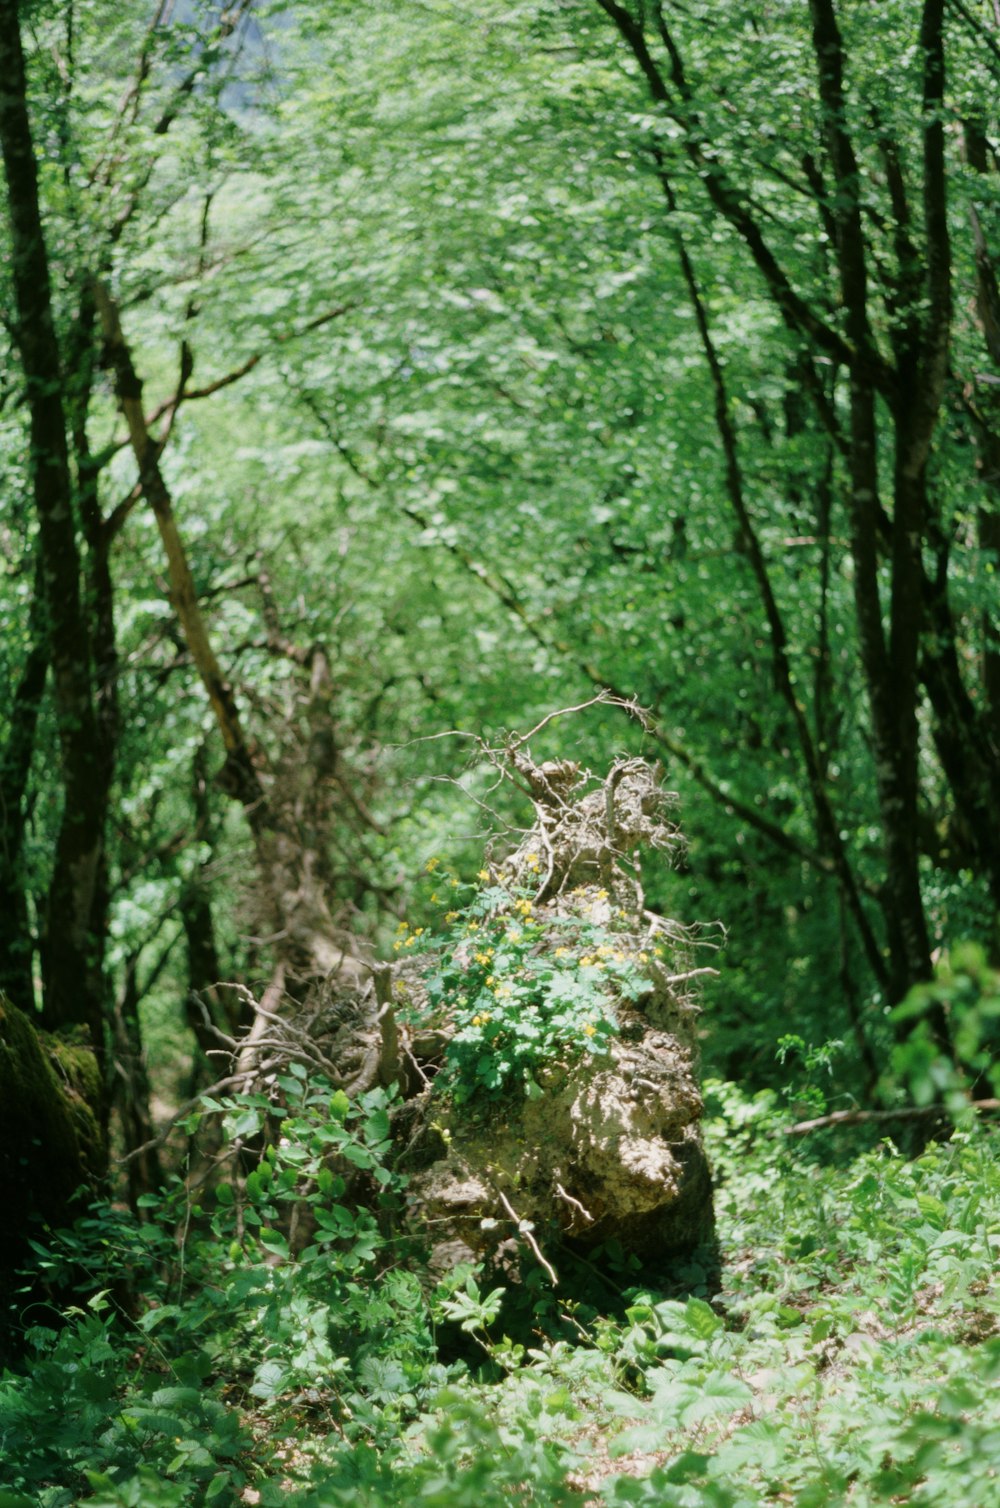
<point>41,1159</point>
<point>78,1075</point>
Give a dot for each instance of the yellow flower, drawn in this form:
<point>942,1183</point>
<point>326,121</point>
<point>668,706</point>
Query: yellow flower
<point>514,935</point>
<point>417,931</point>
<point>473,927</point>
<point>483,875</point>
<point>434,895</point>
<point>504,992</point>
<point>643,957</point>
<point>560,953</point>
<point>403,927</point>
<point>454,882</point>
<point>603,951</point>
<point>431,865</point>
<point>619,956</point>
<point>590,1030</point>
<point>489,979</point>
<point>532,858</point>
<point>602,895</point>
<point>450,916</point>
<point>411,940</point>
<point>587,962</point>
<point>524,907</point>
<point>658,952</point>
<point>480,1018</point>
<point>484,957</point>
<point>397,945</point>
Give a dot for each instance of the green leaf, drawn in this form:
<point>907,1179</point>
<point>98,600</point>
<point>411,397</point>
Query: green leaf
<point>702,1319</point>
<point>273,1241</point>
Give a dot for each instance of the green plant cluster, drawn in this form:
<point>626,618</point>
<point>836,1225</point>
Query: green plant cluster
<point>967,988</point>
<point>275,1340</point>
<point>526,989</point>
<point>282,1288</point>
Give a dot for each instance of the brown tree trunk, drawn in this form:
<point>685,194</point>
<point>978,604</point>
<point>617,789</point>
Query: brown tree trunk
<point>297,916</point>
<point>16,944</point>
<point>67,942</point>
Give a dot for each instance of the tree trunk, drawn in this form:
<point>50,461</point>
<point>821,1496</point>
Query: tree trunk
<point>296,912</point>
<point>16,945</point>
<point>67,951</point>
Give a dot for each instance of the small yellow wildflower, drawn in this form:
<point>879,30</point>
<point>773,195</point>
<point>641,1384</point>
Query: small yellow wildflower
<point>434,895</point>
<point>484,957</point>
<point>431,865</point>
<point>489,979</point>
<point>473,927</point>
<point>602,895</point>
<point>603,951</point>
<point>411,940</point>
<point>450,916</point>
<point>587,962</point>
<point>480,1018</point>
<point>643,957</point>
<point>524,907</point>
<point>454,882</point>
<point>590,1030</point>
<point>483,875</point>
<point>560,953</point>
<point>619,956</point>
<point>658,952</point>
<point>532,858</point>
<point>504,992</point>
<point>403,927</point>
<point>417,931</point>
<point>397,945</point>
<point>513,935</point>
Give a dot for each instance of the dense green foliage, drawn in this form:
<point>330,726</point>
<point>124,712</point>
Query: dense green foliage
<point>851,1356</point>
<point>375,380</point>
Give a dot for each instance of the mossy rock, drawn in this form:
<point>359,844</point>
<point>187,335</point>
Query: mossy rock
<point>50,1138</point>
<point>78,1075</point>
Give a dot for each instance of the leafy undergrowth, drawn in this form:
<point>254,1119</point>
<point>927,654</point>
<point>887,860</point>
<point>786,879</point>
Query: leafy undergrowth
<point>852,1355</point>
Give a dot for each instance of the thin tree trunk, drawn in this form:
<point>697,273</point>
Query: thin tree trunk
<point>16,944</point>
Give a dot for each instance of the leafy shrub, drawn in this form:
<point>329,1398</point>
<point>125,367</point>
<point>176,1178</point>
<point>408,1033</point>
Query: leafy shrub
<point>522,991</point>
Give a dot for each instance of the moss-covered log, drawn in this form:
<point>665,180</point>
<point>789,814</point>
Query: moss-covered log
<point>50,1128</point>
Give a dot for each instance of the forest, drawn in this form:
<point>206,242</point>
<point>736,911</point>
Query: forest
<point>499,753</point>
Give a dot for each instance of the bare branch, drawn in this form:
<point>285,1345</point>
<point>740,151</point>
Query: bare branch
<point>862,1117</point>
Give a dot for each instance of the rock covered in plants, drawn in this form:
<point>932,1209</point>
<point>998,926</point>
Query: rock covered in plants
<point>550,1030</point>
<point>50,1131</point>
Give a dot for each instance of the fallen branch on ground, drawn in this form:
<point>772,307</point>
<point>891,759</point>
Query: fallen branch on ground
<point>860,1117</point>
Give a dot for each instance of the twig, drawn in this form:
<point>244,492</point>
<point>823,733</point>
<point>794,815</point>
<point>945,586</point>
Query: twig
<point>524,1229</point>
<point>604,697</point>
<point>859,1117</point>
<point>263,1010</point>
<point>574,1202</point>
<point>230,1082</point>
<point>690,974</point>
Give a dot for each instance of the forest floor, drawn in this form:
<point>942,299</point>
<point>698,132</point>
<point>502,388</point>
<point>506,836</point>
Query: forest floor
<point>845,1351</point>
